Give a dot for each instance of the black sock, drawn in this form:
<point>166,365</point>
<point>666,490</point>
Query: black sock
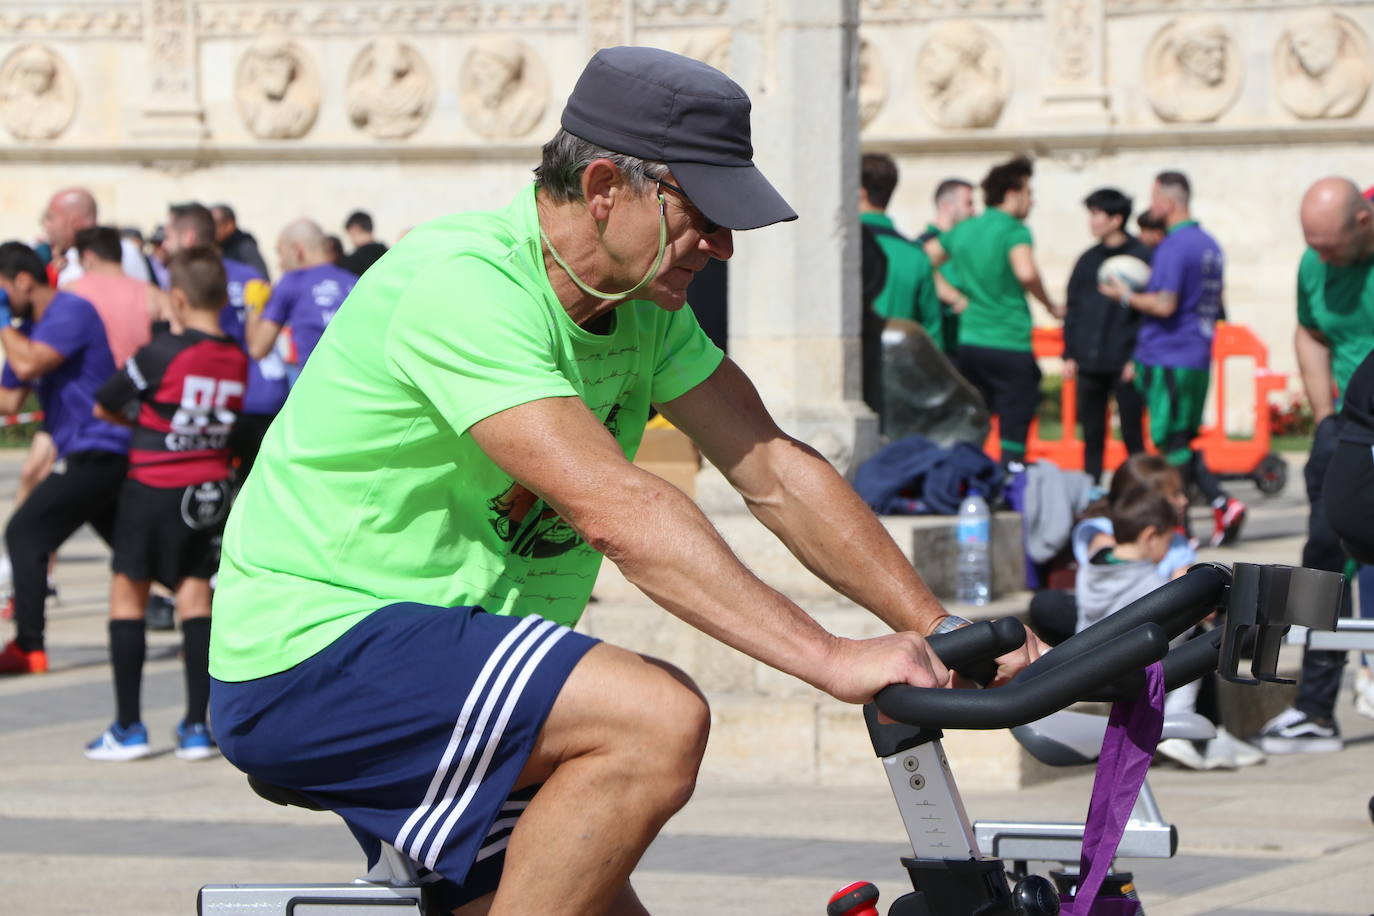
<point>127,649</point>
<point>195,650</point>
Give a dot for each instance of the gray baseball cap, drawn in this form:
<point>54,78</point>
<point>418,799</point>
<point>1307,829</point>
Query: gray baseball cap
<point>661,106</point>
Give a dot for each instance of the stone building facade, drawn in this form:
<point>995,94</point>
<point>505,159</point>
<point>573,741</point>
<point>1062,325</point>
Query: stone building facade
<point>412,109</point>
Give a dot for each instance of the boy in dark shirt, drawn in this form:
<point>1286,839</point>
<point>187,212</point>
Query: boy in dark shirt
<point>181,393</point>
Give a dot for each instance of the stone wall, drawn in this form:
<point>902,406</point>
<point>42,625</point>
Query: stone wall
<point>413,109</point>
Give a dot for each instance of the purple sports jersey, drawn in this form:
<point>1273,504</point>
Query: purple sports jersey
<point>72,327</point>
<point>306,299</point>
<point>267,384</point>
<point>1188,263</point>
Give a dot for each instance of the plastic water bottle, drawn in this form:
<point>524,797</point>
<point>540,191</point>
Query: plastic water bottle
<point>973,577</point>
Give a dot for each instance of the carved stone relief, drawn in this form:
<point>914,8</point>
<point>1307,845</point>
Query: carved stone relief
<point>710,49</point>
<point>504,89</point>
<point>1193,70</point>
<point>277,89</point>
<point>961,76</point>
<point>37,93</point>
<point>1322,66</point>
<point>390,90</point>
<point>872,82</point>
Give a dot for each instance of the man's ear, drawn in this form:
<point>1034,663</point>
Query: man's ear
<point>602,184</point>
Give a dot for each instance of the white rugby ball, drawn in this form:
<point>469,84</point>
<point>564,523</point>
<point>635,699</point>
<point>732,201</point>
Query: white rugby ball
<point>1129,271</point>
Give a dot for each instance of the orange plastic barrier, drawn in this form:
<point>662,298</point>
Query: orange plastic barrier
<point>1222,454</point>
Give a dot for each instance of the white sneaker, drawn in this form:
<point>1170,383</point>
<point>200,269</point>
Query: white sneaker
<point>1235,752</point>
<point>6,573</point>
<point>1183,752</point>
<point>1364,693</point>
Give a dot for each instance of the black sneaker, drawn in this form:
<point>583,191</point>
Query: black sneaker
<point>1295,732</point>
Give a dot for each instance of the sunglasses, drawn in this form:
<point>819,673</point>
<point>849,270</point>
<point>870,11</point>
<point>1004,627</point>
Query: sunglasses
<point>707,226</point>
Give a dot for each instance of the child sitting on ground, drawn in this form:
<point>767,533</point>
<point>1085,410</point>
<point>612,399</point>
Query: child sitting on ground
<point>181,393</point>
<point>1143,521</point>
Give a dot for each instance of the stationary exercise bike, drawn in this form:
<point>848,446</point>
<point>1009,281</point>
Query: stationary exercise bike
<point>950,874</point>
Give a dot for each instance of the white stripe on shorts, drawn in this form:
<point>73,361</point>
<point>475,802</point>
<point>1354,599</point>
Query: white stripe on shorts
<point>554,633</point>
<point>473,753</point>
<point>478,687</point>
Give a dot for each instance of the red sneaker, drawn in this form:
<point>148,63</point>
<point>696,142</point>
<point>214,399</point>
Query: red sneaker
<point>1229,519</point>
<point>14,660</point>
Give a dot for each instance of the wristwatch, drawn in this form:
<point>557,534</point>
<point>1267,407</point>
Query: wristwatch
<point>950,623</point>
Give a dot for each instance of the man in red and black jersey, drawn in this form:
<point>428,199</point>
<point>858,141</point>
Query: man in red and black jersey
<point>181,393</point>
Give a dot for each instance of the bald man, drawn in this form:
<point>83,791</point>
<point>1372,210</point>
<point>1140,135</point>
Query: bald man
<point>1335,334</point>
<point>311,289</point>
<point>71,210</point>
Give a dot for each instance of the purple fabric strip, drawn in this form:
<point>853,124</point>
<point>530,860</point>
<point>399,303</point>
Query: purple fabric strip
<point>1132,734</point>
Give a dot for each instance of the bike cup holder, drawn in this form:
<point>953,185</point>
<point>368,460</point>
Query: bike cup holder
<point>1265,600</point>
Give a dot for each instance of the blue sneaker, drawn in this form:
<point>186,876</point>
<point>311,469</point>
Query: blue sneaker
<point>194,741</point>
<point>120,743</point>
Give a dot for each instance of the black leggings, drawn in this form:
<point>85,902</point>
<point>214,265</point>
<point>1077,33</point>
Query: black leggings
<point>83,487</point>
<point>1009,381</point>
<point>1094,388</point>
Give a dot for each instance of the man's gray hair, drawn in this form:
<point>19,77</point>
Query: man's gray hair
<point>566,157</point>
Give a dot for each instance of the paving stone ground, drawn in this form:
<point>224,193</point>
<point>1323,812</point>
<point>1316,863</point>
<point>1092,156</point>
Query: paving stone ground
<point>1289,837</point>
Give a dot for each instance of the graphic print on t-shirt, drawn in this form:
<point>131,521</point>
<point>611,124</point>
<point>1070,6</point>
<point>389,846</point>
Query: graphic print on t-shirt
<point>531,526</point>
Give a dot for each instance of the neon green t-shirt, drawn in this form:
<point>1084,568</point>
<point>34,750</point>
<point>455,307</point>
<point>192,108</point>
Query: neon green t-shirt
<point>1339,303</point>
<point>369,489</point>
<point>997,315</point>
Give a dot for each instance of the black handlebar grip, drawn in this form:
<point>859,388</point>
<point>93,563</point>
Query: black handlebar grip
<point>970,650</point>
<point>1174,607</point>
<point>1025,701</point>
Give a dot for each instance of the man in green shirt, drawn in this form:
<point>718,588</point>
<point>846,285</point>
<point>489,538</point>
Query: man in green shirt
<point>1335,333</point>
<point>462,437</point>
<point>953,205</point>
<point>909,293</point>
<point>996,268</point>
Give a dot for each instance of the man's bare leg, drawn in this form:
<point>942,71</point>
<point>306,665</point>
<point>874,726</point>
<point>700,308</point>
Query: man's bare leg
<point>617,756</point>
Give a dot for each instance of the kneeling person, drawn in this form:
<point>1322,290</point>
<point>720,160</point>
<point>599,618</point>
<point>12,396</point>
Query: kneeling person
<point>181,393</point>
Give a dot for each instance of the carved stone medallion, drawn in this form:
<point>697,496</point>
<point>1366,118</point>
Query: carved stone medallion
<point>711,48</point>
<point>1193,70</point>
<point>37,93</point>
<point>390,90</point>
<point>872,82</point>
<point>961,76</point>
<point>277,89</point>
<point>504,89</point>
<point>1322,66</point>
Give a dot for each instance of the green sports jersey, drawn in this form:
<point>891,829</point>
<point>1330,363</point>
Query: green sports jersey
<point>1339,303</point>
<point>909,291</point>
<point>369,489</point>
<point>997,314</point>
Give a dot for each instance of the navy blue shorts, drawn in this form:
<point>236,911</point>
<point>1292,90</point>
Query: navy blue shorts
<point>413,727</point>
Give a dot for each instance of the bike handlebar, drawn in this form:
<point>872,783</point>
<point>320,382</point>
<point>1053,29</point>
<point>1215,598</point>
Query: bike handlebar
<point>1105,659</point>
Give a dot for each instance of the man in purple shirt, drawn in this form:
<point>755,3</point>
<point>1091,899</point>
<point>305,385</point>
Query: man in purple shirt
<point>1173,350</point>
<point>192,225</point>
<point>61,353</point>
<point>310,291</point>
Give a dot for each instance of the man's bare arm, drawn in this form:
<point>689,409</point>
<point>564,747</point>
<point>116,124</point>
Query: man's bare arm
<point>801,498</point>
<point>261,334</point>
<point>28,358</point>
<point>1314,365</point>
<point>664,545</point>
<point>1022,260</point>
<point>936,252</point>
<point>948,294</point>
<point>11,399</point>
<point>1159,304</point>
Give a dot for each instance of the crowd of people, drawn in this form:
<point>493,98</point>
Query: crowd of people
<point>158,368</point>
<point>449,471</point>
<point>1142,336</point>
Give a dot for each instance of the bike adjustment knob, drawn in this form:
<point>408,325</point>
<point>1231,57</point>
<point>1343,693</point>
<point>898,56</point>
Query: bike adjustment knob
<point>1034,895</point>
<point>857,899</point>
